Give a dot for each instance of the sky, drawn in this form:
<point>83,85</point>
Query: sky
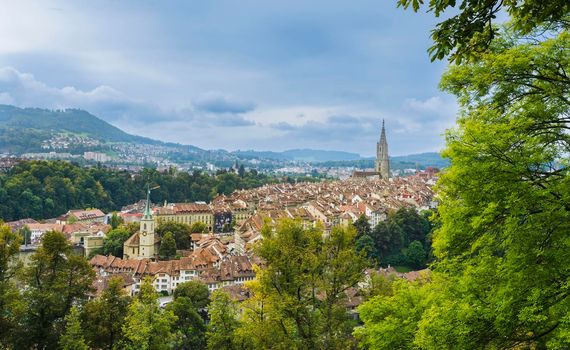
<point>264,75</point>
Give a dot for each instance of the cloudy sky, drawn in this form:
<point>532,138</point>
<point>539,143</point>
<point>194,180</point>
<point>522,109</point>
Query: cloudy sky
<point>264,75</point>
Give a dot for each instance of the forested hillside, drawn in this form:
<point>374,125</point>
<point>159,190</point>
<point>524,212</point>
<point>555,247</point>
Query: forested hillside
<point>44,189</point>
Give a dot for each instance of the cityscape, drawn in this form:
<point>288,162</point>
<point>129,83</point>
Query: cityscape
<point>322,175</point>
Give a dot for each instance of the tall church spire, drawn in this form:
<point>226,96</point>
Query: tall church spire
<point>147,214</point>
<point>382,161</point>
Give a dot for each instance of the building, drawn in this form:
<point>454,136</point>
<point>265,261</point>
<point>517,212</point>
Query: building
<point>187,213</point>
<point>143,244</point>
<point>382,161</point>
<point>84,216</point>
<point>382,164</point>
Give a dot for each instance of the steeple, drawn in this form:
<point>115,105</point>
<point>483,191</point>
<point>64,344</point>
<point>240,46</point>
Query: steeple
<point>147,214</point>
<point>382,161</point>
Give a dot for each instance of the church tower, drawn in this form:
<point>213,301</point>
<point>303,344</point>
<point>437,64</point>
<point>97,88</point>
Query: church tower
<point>382,161</point>
<point>146,245</point>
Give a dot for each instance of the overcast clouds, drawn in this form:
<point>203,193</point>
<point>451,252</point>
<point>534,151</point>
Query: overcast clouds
<point>265,75</point>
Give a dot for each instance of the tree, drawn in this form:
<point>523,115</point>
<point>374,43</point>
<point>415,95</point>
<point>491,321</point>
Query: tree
<point>365,244</point>
<point>10,300</point>
<point>199,227</point>
<point>241,171</point>
<point>103,317</point>
<point>196,291</point>
<point>25,234</point>
<point>56,279</point>
<point>190,299</point>
<point>167,248</point>
<point>415,255</point>
<point>223,314</point>
<point>501,273</point>
<point>362,226</point>
<point>116,220</point>
<point>392,321</point>
<point>182,233</point>
<point>470,31</point>
<point>146,326</point>
<point>73,339</point>
<point>304,285</point>
<point>114,241</point>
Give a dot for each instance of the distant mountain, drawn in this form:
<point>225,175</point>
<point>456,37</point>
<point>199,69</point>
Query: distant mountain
<point>24,129</point>
<point>306,155</point>
<point>412,161</point>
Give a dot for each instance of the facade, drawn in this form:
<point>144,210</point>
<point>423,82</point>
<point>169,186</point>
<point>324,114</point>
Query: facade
<point>187,213</point>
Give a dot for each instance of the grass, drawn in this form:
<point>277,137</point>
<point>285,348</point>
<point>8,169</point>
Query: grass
<point>402,269</point>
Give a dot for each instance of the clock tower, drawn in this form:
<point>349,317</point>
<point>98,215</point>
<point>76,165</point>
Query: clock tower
<point>146,232</point>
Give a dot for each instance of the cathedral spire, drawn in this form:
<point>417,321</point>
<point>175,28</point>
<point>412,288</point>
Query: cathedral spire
<point>382,161</point>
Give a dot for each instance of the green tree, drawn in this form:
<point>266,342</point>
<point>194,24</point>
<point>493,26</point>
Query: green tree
<point>196,291</point>
<point>116,221</point>
<point>199,227</point>
<point>190,299</point>
<point>167,248</point>
<point>73,339</point>
<point>500,274</point>
<point>10,299</point>
<point>362,226</point>
<point>114,241</point>
<point>223,313</point>
<point>303,286</point>
<point>182,233</point>
<point>56,279</point>
<point>415,255</point>
<point>103,317</point>
<point>146,326</point>
<point>25,234</point>
<point>365,244</point>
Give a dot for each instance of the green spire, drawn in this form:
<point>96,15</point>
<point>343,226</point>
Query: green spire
<point>147,213</point>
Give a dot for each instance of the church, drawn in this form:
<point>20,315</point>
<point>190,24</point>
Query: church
<point>143,244</point>
<point>382,164</point>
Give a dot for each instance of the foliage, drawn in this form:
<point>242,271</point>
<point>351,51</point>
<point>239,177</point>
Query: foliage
<point>146,326</point>
<point>223,313</point>
<point>394,236</point>
<point>196,292</point>
<point>103,317</point>
<point>116,220</point>
<point>365,244</point>
<point>114,241</point>
<point>199,227</point>
<point>501,272</point>
<point>10,300</point>
<point>302,291</point>
<point>391,321</point>
<point>73,338</point>
<point>362,226</point>
<point>47,189</point>
<point>190,299</point>
<point>469,32</point>
<point>167,248</point>
<point>181,231</point>
<point>56,279</point>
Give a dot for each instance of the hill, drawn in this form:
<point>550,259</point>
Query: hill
<point>25,129</point>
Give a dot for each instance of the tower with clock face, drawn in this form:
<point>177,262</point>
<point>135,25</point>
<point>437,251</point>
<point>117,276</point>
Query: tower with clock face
<point>146,232</point>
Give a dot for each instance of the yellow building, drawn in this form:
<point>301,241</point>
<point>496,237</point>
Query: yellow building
<point>186,213</point>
